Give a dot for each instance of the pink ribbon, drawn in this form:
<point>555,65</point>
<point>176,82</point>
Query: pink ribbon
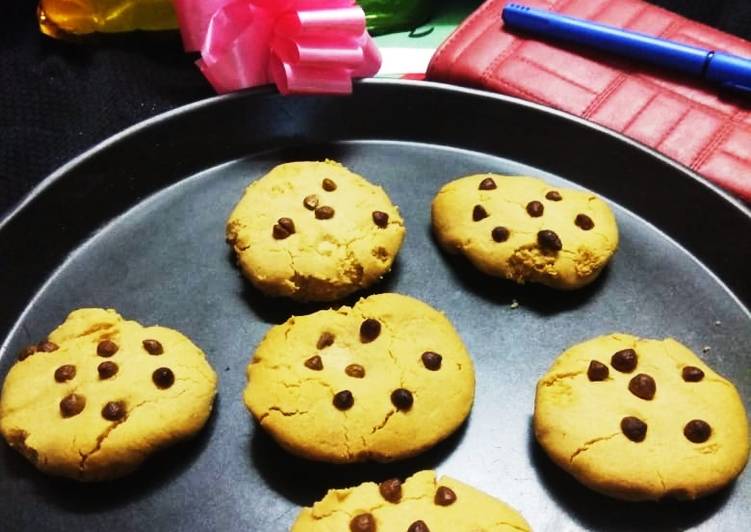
<point>303,46</point>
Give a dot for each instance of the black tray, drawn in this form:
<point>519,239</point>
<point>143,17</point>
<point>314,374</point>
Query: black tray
<point>137,224</point>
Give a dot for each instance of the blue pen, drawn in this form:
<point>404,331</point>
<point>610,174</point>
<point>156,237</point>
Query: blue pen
<point>729,71</point>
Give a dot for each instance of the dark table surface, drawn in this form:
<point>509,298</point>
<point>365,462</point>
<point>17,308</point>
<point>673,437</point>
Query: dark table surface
<point>59,98</point>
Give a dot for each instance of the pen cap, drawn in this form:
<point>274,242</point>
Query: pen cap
<point>525,18</point>
<point>729,70</point>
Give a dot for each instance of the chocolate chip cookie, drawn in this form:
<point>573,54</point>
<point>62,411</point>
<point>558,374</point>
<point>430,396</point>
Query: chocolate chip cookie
<point>100,394</point>
<point>641,419</point>
<point>314,231</point>
<point>522,229</point>
<point>382,380</point>
<point>421,504</point>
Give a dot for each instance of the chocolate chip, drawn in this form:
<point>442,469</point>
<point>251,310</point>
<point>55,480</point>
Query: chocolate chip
<point>344,400</point>
<point>418,526</point>
<point>26,352</point>
<point>310,202</point>
<point>324,213</point>
<point>643,386</point>
<point>72,405</point>
<point>163,378</point>
<point>325,340</point>
<point>47,347</point>
<point>381,219</point>
<point>287,224</point>
<point>478,213</point>
<point>697,431</point>
<point>431,360</point>
<point>106,348</point>
<point>535,209</point>
<point>584,222</point>
<point>369,330</point>
<point>107,369</point>
<point>362,523</point>
<point>548,240</point>
<point>444,496</point>
<point>153,347</point>
<point>328,185</point>
<point>402,399</point>
<point>634,428</point>
<point>355,370</point>
<point>113,411</point>
<point>624,360</point>
<point>65,373</point>
<point>553,195</point>
<point>487,184</point>
<point>391,490</point>
<point>597,371</point>
<point>692,374</point>
<point>500,234</point>
<point>315,363</point>
<point>279,232</point>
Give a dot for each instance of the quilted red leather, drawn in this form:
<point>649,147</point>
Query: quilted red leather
<point>683,118</point>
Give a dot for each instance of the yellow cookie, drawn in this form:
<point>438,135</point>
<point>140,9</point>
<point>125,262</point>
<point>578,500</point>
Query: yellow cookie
<point>421,504</point>
<point>384,379</point>
<point>314,231</point>
<point>101,394</point>
<point>522,229</point>
<point>641,419</point>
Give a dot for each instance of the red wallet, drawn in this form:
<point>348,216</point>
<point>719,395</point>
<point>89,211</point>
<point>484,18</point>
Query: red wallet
<point>683,118</point>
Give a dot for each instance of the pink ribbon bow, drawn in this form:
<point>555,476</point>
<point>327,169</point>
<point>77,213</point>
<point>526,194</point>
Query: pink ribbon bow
<point>303,46</point>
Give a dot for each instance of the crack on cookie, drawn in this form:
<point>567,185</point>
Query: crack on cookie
<point>383,423</point>
<point>295,274</point>
<point>553,379</point>
<point>709,449</point>
<point>104,435</point>
<point>95,328</point>
<point>511,525</point>
<point>99,441</point>
<point>663,490</point>
<point>347,447</point>
<point>286,413</point>
<point>333,511</point>
<point>589,444</point>
<point>288,327</point>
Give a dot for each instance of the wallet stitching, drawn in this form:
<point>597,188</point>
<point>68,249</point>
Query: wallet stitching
<point>711,147</point>
<point>746,161</point>
<point>672,128</point>
<point>614,85</point>
<point>621,77</point>
<point>518,43</point>
<point>490,70</point>
<point>599,11</point>
<point>544,68</point>
<point>516,89</point>
<point>636,115</point>
<point>460,31</point>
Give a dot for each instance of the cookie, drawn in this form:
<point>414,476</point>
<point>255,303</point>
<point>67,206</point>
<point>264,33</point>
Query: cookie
<point>382,380</point>
<point>421,504</point>
<point>314,231</point>
<point>522,229</point>
<point>641,419</point>
<point>101,394</point>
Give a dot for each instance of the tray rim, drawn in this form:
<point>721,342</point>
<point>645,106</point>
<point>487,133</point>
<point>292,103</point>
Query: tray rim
<point>43,185</point>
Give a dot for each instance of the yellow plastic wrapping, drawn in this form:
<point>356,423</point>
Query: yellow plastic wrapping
<point>60,17</point>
